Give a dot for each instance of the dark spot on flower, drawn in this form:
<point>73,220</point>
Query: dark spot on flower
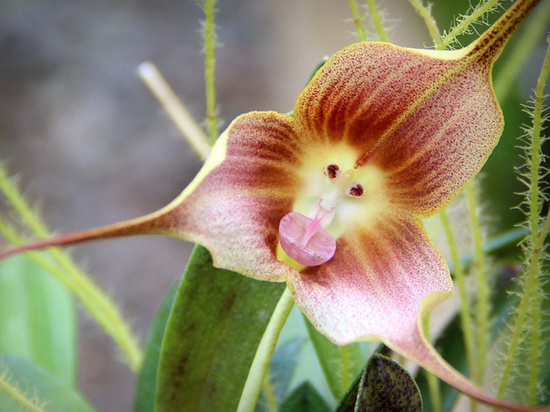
<point>332,171</point>
<point>356,190</point>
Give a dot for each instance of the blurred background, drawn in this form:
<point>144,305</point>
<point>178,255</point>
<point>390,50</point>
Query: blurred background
<point>92,146</point>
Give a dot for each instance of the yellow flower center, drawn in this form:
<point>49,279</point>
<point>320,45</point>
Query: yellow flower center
<point>335,197</point>
<point>357,195</point>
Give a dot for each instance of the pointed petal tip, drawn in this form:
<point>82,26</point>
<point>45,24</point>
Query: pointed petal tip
<point>417,349</point>
<point>155,223</point>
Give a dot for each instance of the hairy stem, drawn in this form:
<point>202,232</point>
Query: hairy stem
<point>531,295</point>
<point>464,23</point>
<point>426,14</point>
<point>358,20</point>
<point>382,35</point>
<point>100,306</point>
<point>19,397</point>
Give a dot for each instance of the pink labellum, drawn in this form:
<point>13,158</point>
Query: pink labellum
<point>305,240</point>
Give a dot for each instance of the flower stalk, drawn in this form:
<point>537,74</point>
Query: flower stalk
<point>465,22</point>
<point>426,14</point>
<point>358,20</point>
<point>260,364</point>
<point>377,19</point>
<point>20,397</point>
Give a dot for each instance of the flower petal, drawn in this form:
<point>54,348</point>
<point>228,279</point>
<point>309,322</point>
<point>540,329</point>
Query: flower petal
<point>375,284</point>
<point>378,287</point>
<point>429,119</point>
<point>234,207</point>
<point>431,155</point>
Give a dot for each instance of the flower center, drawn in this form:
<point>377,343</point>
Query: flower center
<point>343,183</point>
<point>304,238</point>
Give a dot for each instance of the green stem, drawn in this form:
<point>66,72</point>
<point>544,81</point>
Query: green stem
<point>382,35</point>
<point>358,20</point>
<point>429,20</point>
<point>465,22</point>
<point>535,313</point>
<point>15,393</point>
<point>460,278</point>
<point>482,286</point>
<point>100,306</point>
<point>175,109</point>
<point>531,295</point>
<point>209,68</point>
<point>260,364</point>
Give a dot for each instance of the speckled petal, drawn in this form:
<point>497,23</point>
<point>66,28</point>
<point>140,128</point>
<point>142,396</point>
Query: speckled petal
<point>429,120</point>
<point>235,205</point>
<point>375,284</point>
<point>430,156</point>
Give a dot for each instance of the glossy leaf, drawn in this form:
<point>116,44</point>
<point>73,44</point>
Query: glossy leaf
<point>340,364</point>
<point>147,379</point>
<point>37,318</point>
<point>347,403</point>
<point>304,398</point>
<point>216,323</point>
<point>35,385</point>
<point>387,386</point>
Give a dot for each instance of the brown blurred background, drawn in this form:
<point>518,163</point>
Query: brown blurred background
<point>92,146</point>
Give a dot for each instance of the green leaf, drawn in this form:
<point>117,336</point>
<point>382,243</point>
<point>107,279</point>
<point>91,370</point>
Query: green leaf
<point>281,369</point>
<point>304,398</point>
<point>27,387</point>
<point>147,379</point>
<point>37,317</point>
<point>216,323</point>
<point>340,364</point>
<point>387,386</point>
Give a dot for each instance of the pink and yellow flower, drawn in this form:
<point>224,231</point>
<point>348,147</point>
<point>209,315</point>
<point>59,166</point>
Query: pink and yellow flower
<point>329,199</point>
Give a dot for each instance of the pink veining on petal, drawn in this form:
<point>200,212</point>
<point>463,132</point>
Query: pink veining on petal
<point>305,240</point>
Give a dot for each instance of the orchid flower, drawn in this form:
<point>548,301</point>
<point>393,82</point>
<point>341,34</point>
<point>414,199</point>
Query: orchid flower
<point>329,199</point>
